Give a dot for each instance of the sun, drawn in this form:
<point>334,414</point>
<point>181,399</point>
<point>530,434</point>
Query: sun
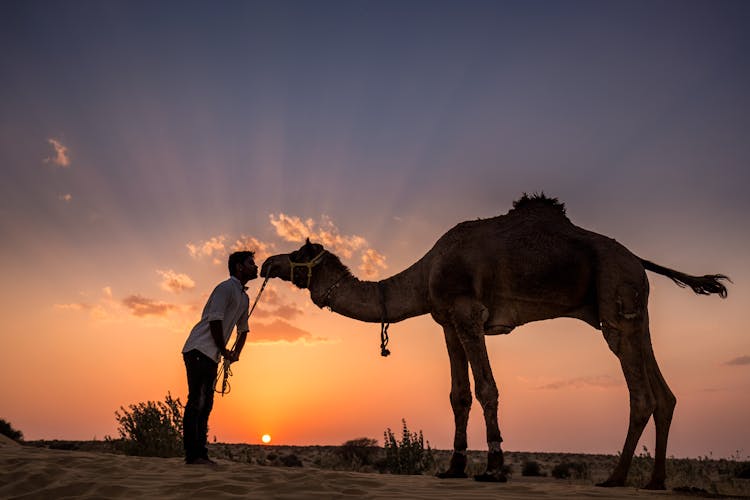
<point>266,438</point>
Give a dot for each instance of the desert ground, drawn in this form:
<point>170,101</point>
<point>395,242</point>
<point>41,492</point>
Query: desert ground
<point>72,469</point>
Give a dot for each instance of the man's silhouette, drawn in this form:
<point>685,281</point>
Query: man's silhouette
<point>226,308</point>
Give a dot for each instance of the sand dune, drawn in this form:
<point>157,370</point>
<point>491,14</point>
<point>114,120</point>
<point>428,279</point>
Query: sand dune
<point>30,472</point>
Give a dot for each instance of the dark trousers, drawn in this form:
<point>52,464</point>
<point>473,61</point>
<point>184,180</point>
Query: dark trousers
<point>201,376</point>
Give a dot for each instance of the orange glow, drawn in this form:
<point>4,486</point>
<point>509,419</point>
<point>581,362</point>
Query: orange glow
<point>338,388</point>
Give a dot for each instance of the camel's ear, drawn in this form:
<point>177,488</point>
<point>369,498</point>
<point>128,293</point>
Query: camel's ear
<point>307,246</point>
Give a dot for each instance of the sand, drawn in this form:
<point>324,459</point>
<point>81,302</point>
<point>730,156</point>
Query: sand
<point>32,472</point>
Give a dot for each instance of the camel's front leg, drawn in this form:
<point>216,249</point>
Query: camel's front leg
<point>460,402</point>
<point>468,316</point>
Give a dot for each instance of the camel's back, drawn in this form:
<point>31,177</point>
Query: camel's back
<point>533,253</point>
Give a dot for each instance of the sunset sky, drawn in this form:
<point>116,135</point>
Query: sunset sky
<point>141,142</point>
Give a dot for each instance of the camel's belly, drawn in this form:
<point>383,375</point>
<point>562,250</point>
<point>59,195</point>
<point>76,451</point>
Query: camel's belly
<point>502,320</point>
<point>497,329</point>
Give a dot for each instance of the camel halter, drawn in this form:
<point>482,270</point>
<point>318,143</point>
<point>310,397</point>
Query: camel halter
<point>226,370</point>
<point>309,265</point>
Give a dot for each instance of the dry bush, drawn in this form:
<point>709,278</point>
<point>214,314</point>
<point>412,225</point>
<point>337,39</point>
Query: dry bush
<point>152,429</point>
<point>407,456</point>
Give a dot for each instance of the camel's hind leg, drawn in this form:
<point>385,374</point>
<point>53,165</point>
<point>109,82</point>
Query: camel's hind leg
<point>665,404</point>
<point>627,340</point>
<point>468,317</point>
<point>625,324</point>
<point>460,398</point>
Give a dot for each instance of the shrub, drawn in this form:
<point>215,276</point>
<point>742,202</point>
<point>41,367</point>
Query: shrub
<point>291,460</point>
<point>7,430</point>
<point>576,470</point>
<point>531,468</point>
<point>742,471</point>
<point>407,456</point>
<point>359,452</point>
<point>152,429</point>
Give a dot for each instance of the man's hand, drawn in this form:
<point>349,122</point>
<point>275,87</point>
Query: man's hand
<point>230,356</point>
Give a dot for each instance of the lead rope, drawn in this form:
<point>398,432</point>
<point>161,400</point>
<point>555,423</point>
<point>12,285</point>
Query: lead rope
<point>226,370</point>
<point>383,322</point>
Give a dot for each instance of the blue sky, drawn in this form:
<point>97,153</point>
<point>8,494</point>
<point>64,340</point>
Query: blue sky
<point>297,104</point>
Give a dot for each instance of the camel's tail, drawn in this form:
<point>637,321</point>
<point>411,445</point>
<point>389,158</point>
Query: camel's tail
<point>703,285</point>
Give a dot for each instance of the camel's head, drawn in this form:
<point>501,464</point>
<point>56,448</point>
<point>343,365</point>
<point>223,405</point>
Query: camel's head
<point>297,266</point>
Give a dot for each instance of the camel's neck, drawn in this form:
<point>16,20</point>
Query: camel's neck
<point>405,294</point>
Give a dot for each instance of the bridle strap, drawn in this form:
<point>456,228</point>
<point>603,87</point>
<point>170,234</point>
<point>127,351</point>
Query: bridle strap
<point>309,265</point>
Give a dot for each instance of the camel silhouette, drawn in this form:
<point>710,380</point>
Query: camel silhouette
<point>486,277</point>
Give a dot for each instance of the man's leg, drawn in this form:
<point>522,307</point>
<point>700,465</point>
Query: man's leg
<point>207,400</point>
<point>201,375</point>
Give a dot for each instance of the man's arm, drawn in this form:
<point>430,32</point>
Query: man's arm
<point>241,337</point>
<point>217,332</point>
<point>242,330</point>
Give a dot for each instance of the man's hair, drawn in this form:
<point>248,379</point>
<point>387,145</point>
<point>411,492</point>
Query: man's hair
<point>239,258</point>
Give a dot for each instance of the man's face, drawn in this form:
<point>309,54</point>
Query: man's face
<point>247,270</point>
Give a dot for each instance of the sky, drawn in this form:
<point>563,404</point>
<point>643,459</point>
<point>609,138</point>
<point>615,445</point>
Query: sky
<point>142,142</point>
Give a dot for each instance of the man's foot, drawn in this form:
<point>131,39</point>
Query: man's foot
<point>201,461</point>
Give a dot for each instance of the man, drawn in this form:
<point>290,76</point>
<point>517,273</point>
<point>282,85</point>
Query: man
<point>226,307</point>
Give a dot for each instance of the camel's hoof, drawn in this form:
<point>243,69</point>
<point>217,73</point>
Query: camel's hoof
<point>497,477</point>
<point>450,474</point>
<point>456,468</point>
<point>655,485</point>
<point>611,483</point>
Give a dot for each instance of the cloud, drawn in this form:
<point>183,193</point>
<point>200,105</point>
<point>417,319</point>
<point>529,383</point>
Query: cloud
<point>740,361</point>
<point>96,311</point>
<point>597,382</point>
<point>103,309</point>
<point>107,309</point>
<point>345,245</point>
<point>61,158</point>
<point>372,263</point>
<point>262,250</point>
<point>75,306</point>
<point>212,247</point>
<point>284,311</point>
<point>218,249</point>
<point>292,228</point>
<point>272,305</point>
<point>175,282</point>
<point>271,296</point>
<point>65,197</point>
<point>280,331</point>
<point>141,306</point>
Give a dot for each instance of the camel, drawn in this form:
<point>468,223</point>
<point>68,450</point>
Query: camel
<point>488,276</point>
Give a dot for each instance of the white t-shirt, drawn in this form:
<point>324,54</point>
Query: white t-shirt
<point>229,303</point>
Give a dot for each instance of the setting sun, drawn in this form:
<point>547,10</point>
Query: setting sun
<point>266,438</point>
